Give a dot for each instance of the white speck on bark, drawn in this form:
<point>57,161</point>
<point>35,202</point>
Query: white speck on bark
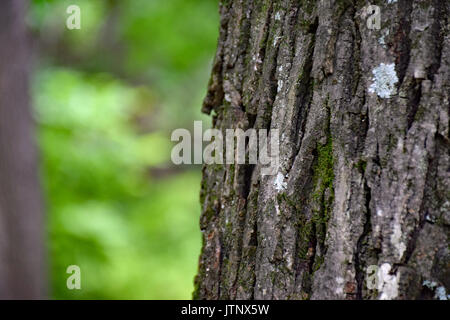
<point>377,229</point>
<point>257,61</point>
<point>277,16</point>
<point>277,208</point>
<point>339,288</point>
<point>384,80</point>
<point>441,294</point>
<point>419,72</point>
<point>279,183</point>
<point>382,38</point>
<point>275,40</point>
<point>396,239</point>
<point>280,85</point>
<point>429,284</point>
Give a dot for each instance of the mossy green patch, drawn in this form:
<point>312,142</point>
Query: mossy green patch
<point>323,180</point>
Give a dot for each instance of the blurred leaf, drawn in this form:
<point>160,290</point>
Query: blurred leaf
<point>106,98</point>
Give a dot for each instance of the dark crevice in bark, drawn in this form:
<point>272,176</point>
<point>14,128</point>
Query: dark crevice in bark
<point>251,120</point>
<point>438,35</point>
<point>312,249</point>
<point>376,160</point>
<point>249,243</point>
<point>402,43</point>
<point>414,102</point>
<point>252,260</point>
<point>271,78</point>
<point>411,245</point>
<point>251,100</point>
<point>428,192</point>
<point>303,263</point>
<point>362,244</point>
<point>219,270</point>
<point>319,193</point>
<point>305,89</point>
<point>357,70</point>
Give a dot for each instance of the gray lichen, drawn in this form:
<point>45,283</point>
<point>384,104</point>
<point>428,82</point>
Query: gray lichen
<point>384,80</point>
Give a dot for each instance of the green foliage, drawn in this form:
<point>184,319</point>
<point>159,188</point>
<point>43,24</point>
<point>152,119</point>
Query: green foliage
<point>160,30</point>
<point>134,234</point>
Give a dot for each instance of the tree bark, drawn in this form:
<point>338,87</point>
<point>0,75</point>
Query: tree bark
<point>21,227</point>
<point>366,173</point>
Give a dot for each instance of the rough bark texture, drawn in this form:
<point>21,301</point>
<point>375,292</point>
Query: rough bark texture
<point>367,176</point>
<point>21,228</point>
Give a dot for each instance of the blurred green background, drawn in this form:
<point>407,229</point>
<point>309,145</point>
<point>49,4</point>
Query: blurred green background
<point>106,99</point>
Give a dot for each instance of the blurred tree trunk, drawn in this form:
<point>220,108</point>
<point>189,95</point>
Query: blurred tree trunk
<point>21,227</point>
<point>364,175</point>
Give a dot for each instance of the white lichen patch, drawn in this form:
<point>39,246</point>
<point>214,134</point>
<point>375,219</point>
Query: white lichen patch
<point>441,294</point>
<point>387,283</point>
<point>280,184</point>
<point>384,80</point>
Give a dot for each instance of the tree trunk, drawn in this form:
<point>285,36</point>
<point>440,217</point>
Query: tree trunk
<point>21,228</point>
<point>363,116</point>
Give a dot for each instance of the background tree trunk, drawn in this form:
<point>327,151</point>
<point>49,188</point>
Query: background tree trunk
<point>21,227</point>
<point>367,174</point>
